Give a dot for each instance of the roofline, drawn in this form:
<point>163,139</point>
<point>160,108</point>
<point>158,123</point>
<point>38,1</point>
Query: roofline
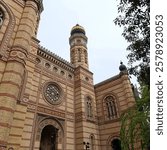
<point>42,51</point>
<point>111,79</point>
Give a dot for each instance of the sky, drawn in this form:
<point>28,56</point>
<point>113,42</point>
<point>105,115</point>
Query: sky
<point>106,45</point>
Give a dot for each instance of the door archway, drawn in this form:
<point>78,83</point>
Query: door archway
<point>49,138</point>
<point>116,144</point>
<point>53,129</point>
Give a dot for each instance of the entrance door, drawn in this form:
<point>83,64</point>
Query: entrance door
<point>116,144</point>
<point>48,138</point>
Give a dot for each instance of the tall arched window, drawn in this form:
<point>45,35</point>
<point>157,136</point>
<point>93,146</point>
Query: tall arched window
<point>89,107</point>
<point>79,55</point>
<point>111,108</point>
<point>86,56</point>
<point>72,56</point>
<point>1,17</point>
<point>92,147</point>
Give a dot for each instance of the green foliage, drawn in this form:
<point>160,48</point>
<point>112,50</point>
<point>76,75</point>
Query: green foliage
<point>135,123</point>
<point>134,16</point>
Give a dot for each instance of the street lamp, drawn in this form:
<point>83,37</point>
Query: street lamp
<point>86,145</point>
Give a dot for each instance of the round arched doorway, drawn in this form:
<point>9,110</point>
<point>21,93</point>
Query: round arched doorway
<point>49,138</point>
<point>116,144</point>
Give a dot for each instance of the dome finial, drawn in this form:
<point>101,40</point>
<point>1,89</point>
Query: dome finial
<point>122,67</point>
<point>77,29</point>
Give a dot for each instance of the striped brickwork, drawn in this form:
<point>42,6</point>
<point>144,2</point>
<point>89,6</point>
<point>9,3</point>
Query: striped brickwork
<point>26,69</point>
<point>119,87</point>
<point>84,126</point>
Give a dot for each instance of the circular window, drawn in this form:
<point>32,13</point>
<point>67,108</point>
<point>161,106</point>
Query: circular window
<point>52,93</point>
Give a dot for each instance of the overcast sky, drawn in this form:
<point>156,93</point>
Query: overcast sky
<point>106,46</point>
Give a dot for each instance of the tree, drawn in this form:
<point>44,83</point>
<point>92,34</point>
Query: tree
<point>134,16</point>
<point>135,123</point>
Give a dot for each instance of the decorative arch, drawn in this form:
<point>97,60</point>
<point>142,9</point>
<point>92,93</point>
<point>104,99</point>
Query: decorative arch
<point>56,124</point>
<point>9,20</point>
<point>49,121</point>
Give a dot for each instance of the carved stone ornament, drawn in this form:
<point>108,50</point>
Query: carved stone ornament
<point>52,93</point>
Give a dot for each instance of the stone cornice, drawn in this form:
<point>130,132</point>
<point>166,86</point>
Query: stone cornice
<point>45,53</point>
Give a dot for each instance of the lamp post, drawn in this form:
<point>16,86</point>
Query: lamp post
<point>86,145</point>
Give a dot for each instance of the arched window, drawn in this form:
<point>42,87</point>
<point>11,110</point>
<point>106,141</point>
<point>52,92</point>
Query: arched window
<point>92,142</point>
<point>1,17</point>
<point>72,56</point>
<point>86,57</point>
<point>89,107</point>
<point>79,55</point>
<point>111,108</point>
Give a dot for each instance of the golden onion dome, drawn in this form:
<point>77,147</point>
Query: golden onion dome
<point>77,29</point>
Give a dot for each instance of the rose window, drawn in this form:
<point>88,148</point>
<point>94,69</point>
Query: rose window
<point>52,93</point>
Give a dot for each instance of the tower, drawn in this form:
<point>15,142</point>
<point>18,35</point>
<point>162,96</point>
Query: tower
<point>18,24</point>
<point>84,96</point>
<point>78,47</point>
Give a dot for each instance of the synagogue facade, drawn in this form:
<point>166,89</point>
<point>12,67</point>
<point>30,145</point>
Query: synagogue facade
<point>48,103</point>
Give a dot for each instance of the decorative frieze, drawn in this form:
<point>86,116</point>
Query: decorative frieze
<point>53,69</point>
<point>51,112</point>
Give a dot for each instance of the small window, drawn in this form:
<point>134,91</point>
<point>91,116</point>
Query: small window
<point>62,73</point>
<point>37,60</point>
<point>1,17</point>
<point>89,108</point>
<point>70,76</point>
<point>79,55</point>
<point>78,41</point>
<point>55,69</point>
<point>86,57</point>
<point>72,56</point>
<point>111,108</point>
<point>47,65</point>
<point>87,79</point>
<point>92,142</point>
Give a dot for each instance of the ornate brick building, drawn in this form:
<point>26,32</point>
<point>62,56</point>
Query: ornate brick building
<point>47,103</point>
